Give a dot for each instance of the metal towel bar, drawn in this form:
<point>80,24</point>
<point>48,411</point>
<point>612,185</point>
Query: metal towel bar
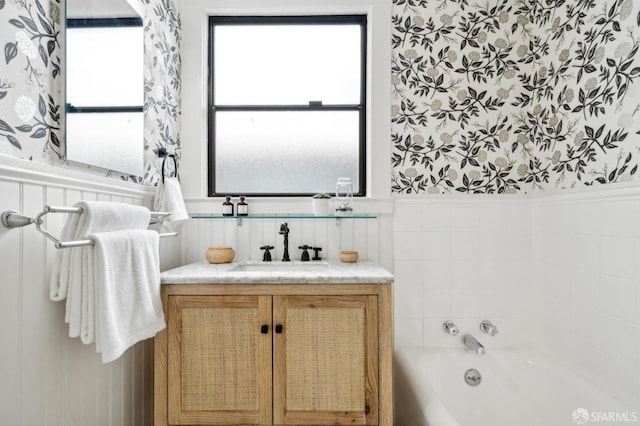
<point>11,219</point>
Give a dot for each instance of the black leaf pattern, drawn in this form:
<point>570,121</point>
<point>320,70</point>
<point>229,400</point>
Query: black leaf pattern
<point>10,52</point>
<point>42,107</point>
<point>5,127</point>
<point>38,134</point>
<point>43,55</point>
<point>29,23</point>
<point>569,88</point>
<point>16,23</point>
<point>13,141</point>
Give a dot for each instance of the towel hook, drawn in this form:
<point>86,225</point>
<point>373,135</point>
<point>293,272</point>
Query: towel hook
<point>162,153</point>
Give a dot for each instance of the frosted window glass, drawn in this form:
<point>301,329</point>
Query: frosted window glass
<point>288,152</point>
<point>105,66</point>
<point>287,64</point>
<point>108,140</point>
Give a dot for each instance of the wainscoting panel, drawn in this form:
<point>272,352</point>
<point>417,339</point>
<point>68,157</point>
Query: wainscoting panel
<point>370,237</point>
<point>48,378</point>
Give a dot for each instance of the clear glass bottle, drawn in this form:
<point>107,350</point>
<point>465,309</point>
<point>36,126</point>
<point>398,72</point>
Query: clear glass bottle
<point>227,206</point>
<point>242,207</point>
<point>344,196</point>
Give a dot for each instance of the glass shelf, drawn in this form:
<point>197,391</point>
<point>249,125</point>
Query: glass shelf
<point>284,216</point>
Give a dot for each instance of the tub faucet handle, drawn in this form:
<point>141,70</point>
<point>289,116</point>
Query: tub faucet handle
<point>487,327</point>
<point>450,328</point>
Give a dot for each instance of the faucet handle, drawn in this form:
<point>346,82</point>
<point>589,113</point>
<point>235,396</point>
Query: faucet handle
<point>266,257</point>
<point>305,253</point>
<point>487,327</point>
<point>450,328</point>
<point>316,255</point>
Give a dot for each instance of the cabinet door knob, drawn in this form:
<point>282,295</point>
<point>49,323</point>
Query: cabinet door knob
<point>279,328</point>
<point>264,329</point>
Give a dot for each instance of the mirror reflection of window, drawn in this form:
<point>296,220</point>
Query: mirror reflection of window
<point>104,95</point>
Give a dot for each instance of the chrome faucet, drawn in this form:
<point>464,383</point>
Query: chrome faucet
<point>450,328</point>
<point>488,327</point>
<point>284,230</point>
<point>471,342</point>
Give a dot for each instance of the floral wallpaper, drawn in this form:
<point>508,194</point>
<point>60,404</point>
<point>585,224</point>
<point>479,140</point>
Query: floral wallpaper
<point>513,96</point>
<point>30,79</point>
<point>496,96</point>
<point>163,85</point>
<point>32,85</point>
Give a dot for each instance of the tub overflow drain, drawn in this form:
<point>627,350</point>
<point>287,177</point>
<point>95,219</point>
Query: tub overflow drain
<point>472,377</point>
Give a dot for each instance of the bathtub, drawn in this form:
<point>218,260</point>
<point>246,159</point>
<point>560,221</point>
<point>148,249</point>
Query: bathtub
<point>517,389</point>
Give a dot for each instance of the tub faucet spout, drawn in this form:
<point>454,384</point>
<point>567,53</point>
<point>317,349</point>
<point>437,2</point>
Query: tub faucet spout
<point>473,344</point>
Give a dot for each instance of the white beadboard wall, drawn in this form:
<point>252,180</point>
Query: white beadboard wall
<point>370,237</point>
<point>46,377</point>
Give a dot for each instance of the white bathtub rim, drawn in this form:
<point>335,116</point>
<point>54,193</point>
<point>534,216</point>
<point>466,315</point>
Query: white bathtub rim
<point>593,379</point>
<point>429,399</point>
<point>542,357</point>
<point>429,403</point>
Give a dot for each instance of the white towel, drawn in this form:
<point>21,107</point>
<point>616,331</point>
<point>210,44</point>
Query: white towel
<point>72,276</point>
<point>60,274</point>
<point>169,199</point>
<point>127,276</point>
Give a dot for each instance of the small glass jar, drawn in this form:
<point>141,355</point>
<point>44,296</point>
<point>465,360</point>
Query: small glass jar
<point>344,196</point>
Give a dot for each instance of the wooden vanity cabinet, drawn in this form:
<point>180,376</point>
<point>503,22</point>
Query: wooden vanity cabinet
<point>274,355</point>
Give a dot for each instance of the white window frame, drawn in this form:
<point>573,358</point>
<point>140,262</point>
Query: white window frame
<point>194,47</point>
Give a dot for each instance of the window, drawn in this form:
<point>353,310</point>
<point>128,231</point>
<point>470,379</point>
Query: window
<point>104,105</point>
<point>286,104</point>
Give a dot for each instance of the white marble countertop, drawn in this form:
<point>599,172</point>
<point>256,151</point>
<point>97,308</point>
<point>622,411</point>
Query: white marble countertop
<point>295,272</point>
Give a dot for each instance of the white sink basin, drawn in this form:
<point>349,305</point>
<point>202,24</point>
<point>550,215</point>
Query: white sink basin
<point>282,267</point>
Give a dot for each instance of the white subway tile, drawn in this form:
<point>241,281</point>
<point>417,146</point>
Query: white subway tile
<point>618,297</point>
<point>408,273</point>
<point>409,246</point>
<point>438,274</point>
<point>407,332</point>
<point>407,301</point>
<point>437,303</point>
<point>618,256</point>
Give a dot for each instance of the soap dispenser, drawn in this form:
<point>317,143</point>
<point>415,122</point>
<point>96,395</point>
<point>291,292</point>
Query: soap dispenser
<point>242,207</point>
<point>227,206</point>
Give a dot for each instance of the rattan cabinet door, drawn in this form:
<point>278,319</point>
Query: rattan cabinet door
<point>219,360</point>
<point>325,358</point>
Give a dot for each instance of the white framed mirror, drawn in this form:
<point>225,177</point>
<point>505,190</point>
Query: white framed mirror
<point>105,85</point>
